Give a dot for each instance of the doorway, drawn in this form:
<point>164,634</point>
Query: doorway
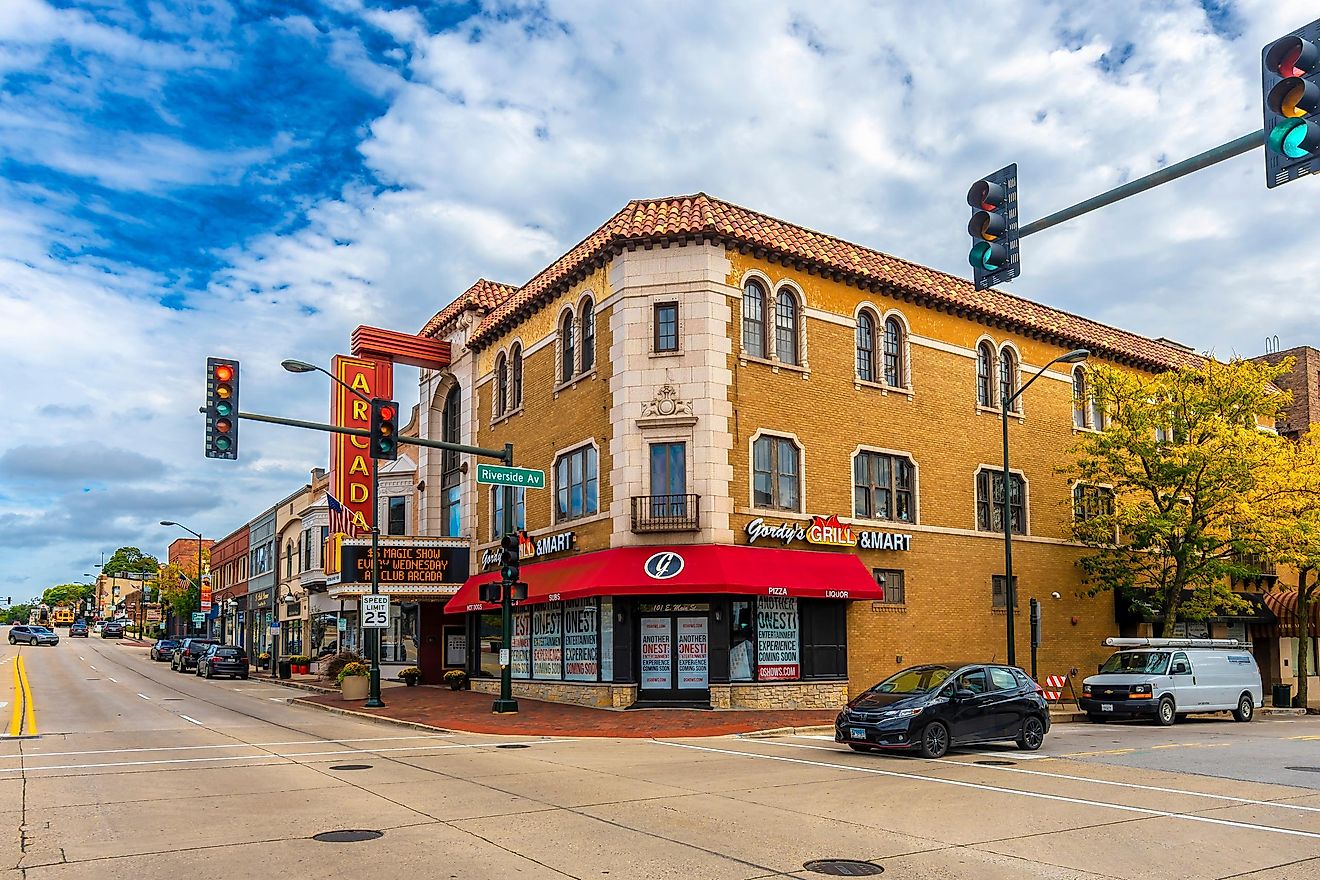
<point>674,652</point>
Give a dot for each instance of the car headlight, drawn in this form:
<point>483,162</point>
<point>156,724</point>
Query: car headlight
<point>905,713</point>
<point>1140,690</point>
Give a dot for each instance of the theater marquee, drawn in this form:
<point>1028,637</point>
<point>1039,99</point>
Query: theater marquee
<point>408,562</point>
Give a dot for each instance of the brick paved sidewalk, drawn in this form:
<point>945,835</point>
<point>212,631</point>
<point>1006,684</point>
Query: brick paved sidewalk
<point>469,711</point>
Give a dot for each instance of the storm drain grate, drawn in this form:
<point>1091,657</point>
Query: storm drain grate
<point>350,836</point>
<point>844,867</point>
<point>513,746</point>
<point>996,763</point>
<point>1305,769</point>
<point>351,767</point>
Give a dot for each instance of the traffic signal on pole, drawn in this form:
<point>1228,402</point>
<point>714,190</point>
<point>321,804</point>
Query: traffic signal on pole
<point>490,593</point>
<point>221,408</point>
<point>518,591</point>
<point>509,558</point>
<point>1290,84</point>
<point>994,228</point>
<point>384,429</point>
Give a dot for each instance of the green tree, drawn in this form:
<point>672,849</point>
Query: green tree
<point>1185,457</point>
<point>130,561</point>
<point>68,594</point>
<point>19,613</point>
<point>176,584</point>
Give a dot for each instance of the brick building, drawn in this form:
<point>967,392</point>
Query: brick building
<point>770,465</point>
<point>229,587</point>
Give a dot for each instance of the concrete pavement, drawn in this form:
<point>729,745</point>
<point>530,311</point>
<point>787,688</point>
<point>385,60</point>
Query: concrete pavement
<point>141,772</point>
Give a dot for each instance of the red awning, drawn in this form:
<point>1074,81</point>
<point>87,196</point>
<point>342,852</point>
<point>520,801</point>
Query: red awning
<point>685,570</point>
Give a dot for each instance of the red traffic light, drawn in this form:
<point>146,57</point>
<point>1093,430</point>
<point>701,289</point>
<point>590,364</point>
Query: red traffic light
<point>224,372</point>
<point>386,412</point>
<point>1292,56</point>
<point>986,195</point>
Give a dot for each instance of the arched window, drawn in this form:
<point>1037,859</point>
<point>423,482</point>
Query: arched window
<point>588,323</point>
<point>288,559</point>
<point>866,347</point>
<point>985,371</point>
<point>753,320</point>
<point>894,371</point>
<point>1008,371</point>
<point>501,400</point>
<point>1079,397</point>
<point>1096,412</point>
<point>516,369</point>
<point>567,352</point>
<point>450,477</point>
<point>786,327</point>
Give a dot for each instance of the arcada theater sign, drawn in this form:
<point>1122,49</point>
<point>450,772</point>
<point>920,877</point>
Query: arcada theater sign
<point>826,531</point>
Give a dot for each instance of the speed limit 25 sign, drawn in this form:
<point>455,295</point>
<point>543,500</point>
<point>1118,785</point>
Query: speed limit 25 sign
<point>375,612</point>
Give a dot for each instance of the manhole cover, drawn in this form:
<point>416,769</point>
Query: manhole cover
<point>996,763</point>
<point>347,836</point>
<point>513,746</point>
<point>351,767</point>
<point>844,868</point>
<point>1305,769</point>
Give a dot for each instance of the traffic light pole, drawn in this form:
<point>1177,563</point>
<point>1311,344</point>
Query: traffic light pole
<point>506,704</point>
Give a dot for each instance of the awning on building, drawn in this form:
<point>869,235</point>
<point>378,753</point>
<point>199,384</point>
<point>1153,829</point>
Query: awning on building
<point>1284,605</point>
<point>685,570</point>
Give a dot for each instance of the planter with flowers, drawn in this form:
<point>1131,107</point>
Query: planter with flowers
<point>411,676</point>
<point>301,665</point>
<point>456,679</point>
<point>263,659</point>
<point>354,682</point>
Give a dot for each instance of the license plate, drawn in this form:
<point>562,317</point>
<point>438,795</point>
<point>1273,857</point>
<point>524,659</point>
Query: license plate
<point>857,733</point>
<point>1106,707</point>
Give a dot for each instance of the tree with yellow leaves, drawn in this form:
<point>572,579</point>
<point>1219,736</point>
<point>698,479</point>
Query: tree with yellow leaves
<point>1166,480</point>
<point>178,586</point>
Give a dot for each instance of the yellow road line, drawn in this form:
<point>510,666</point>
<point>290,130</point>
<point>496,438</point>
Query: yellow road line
<point>30,713</point>
<point>16,717</point>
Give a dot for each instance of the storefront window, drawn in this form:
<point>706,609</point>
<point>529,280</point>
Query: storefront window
<point>742,642</point>
<point>521,659</point>
<point>547,647</point>
<point>777,639</point>
<point>607,640</point>
<point>399,642</point>
<point>489,634</point>
<point>293,636</point>
<point>580,632</point>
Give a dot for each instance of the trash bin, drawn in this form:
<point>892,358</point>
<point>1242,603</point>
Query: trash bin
<point>1282,695</point>
<point>286,668</point>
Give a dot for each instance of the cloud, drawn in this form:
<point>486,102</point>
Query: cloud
<point>77,463</point>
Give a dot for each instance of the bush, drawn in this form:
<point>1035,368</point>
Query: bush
<point>336,663</point>
<point>411,670</point>
<point>352,670</point>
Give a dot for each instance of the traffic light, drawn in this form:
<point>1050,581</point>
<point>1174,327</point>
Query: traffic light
<point>994,228</point>
<point>490,593</point>
<point>384,429</point>
<point>509,558</point>
<point>221,408</point>
<point>1290,84</point>
<point>518,591</point>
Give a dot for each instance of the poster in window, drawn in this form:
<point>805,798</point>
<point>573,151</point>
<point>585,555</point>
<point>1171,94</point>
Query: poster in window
<point>1237,629</point>
<point>580,626</point>
<point>456,649</point>
<point>607,640</point>
<point>657,669</point>
<point>520,660</point>
<point>777,639</point>
<point>547,647</point>
<point>693,653</point>
<point>1191,629</point>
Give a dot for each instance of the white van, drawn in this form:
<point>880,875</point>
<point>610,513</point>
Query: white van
<point>1170,678</point>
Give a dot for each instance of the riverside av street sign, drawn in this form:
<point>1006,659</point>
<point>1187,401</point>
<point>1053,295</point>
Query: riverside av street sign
<point>503,475</point>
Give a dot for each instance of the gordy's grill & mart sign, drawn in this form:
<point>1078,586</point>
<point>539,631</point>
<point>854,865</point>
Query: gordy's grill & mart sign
<point>827,531</point>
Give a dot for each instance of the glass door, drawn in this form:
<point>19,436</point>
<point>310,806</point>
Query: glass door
<point>657,681</point>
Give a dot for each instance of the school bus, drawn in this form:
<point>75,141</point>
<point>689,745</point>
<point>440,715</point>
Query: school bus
<point>63,616</point>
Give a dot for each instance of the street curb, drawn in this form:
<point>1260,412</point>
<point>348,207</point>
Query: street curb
<point>379,719</point>
<point>786,731</point>
<point>298,685</point>
<point>1282,710</point>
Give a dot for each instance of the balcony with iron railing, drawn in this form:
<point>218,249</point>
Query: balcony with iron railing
<point>666,513</point>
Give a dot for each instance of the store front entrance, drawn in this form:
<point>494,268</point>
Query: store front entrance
<point>674,649</point>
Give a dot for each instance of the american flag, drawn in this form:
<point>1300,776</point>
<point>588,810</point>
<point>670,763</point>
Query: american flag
<point>341,518</point>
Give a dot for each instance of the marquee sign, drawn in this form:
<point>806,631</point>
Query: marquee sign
<point>418,562</point>
<point>533,548</point>
<point>826,531</point>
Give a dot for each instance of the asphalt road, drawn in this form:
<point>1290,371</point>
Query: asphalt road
<point>136,771</point>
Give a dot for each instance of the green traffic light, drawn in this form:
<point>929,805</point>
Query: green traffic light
<point>987,256</point>
<point>222,443</point>
<point>1294,138</point>
<point>223,408</point>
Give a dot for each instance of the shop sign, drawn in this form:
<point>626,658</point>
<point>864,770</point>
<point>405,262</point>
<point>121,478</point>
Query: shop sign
<point>350,464</point>
<point>403,563</point>
<point>657,670</point>
<point>777,639</point>
<point>533,548</point>
<point>884,541</point>
<point>826,531</point>
<point>664,565</point>
<point>580,624</point>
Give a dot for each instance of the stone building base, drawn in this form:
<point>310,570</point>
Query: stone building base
<point>585,693</point>
<point>780,695</point>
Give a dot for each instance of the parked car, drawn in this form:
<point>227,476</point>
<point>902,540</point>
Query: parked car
<point>78,630</point>
<point>164,649</point>
<point>934,707</point>
<point>186,654</point>
<point>31,634</point>
<point>1168,679</point>
<point>218,659</point>
<point>113,629</point>
<point>98,626</point>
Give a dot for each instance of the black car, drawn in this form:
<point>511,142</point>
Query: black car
<point>164,649</point>
<point>113,629</point>
<point>32,635</point>
<point>933,707</point>
<point>228,660</point>
<point>186,654</point>
<point>78,630</point>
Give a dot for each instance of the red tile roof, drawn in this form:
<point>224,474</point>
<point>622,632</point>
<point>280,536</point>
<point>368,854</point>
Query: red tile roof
<point>482,296</point>
<point>702,218</point>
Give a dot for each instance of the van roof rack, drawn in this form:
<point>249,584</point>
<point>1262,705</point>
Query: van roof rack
<point>1173,643</point>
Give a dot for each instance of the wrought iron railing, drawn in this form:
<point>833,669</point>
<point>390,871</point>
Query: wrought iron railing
<point>665,513</point>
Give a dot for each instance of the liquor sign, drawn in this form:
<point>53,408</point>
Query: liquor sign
<point>417,562</point>
<point>532,548</point>
<point>826,531</point>
<point>350,459</point>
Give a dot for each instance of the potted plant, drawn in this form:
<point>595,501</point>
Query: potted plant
<point>410,676</point>
<point>353,681</point>
<point>301,664</point>
<point>456,679</point>
<point>263,659</point>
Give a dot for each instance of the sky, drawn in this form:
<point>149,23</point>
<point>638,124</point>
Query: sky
<point>255,179</point>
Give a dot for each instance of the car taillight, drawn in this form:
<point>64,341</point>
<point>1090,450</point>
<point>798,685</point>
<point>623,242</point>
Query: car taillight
<point>1040,690</point>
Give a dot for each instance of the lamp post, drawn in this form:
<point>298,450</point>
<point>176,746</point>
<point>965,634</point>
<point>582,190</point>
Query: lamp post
<point>198,536</point>
<point>373,694</point>
<point>1005,401</point>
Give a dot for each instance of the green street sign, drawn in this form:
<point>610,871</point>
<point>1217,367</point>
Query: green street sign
<point>502,475</point>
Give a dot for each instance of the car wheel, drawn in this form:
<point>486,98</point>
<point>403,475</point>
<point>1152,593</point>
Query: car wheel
<point>1096,719</point>
<point>1246,709</point>
<point>1166,714</point>
<point>13,641</point>
<point>934,740</point>
<point>244,676</point>
<point>860,748</point>
<point>1032,736</point>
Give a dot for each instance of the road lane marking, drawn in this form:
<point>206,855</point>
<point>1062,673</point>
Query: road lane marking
<point>115,680</point>
<point>277,756</point>
<point>292,742</point>
<point>144,696</point>
<point>30,710</point>
<point>1034,795</point>
<point>93,668</point>
<point>16,717</point>
<point>193,720</point>
<point>1134,785</point>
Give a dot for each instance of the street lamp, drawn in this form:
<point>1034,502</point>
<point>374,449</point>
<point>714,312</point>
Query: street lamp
<point>1075,356</point>
<point>198,536</point>
<point>373,694</point>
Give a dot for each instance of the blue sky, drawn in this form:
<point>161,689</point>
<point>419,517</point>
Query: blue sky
<point>255,179</point>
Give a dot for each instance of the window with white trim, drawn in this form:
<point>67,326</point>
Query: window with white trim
<point>1008,379</point>
<point>895,372</point>
<point>1092,501</point>
<point>516,376</point>
<point>753,319</point>
<point>501,385</point>
<point>985,372</point>
<point>776,473</point>
<point>567,350</point>
<point>587,320</point>
<point>866,346</point>
<point>990,501</point>
<point>576,484</point>
<point>883,486</point>
<point>786,327</point>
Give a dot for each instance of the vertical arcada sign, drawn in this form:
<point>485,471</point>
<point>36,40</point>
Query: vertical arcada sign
<point>350,461</point>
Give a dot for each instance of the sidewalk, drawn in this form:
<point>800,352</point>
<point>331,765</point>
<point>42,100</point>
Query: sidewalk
<point>469,712</point>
